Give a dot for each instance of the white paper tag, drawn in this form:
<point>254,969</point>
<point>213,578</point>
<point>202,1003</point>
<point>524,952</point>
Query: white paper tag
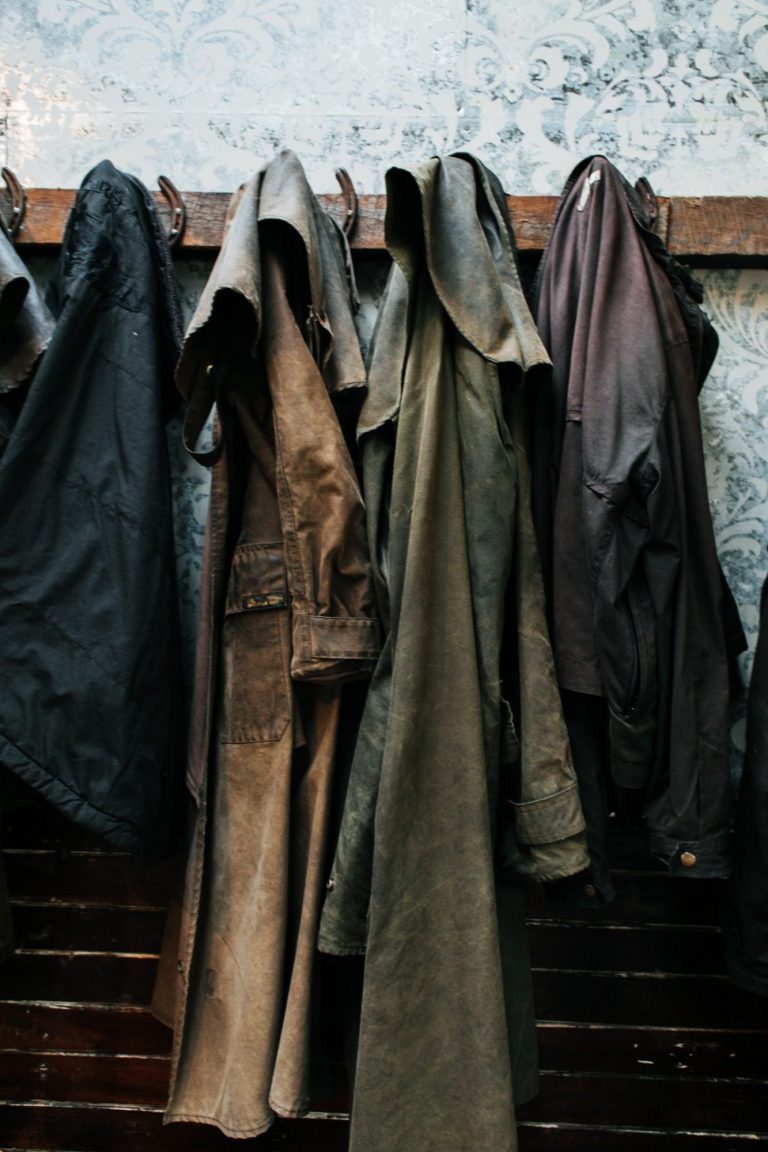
<point>591,179</point>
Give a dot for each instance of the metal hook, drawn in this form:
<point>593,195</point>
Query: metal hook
<point>178,209</point>
<point>350,201</point>
<point>18,203</point>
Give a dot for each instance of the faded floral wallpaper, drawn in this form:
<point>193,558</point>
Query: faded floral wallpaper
<point>206,90</point>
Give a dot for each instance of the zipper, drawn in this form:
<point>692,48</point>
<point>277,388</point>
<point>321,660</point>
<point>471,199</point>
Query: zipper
<point>313,326</point>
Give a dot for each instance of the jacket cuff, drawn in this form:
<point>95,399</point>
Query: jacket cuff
<point>553,829</point>
<point>560,859</point>
<point>703,859</point>
<point>333,648</point>
<point>549,818</point>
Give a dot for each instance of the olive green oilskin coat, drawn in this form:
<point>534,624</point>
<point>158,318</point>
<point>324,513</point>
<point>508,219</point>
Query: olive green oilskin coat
<point>288,612</point>
<point>446,1036</point>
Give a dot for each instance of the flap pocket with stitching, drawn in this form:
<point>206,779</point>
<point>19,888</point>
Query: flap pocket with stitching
<point>255,683</point>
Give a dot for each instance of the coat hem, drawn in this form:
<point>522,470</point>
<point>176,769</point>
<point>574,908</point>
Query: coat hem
<point>68,801</point>
<point>328,948</point>
<point>708,858</point>
<point>236,1133</point>
<point>288,1113</point>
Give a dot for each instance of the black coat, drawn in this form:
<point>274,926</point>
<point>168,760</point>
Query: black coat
<point>90,699</point>
<point>745,932</point>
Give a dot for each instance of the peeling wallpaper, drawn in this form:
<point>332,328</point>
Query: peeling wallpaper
<point>207,90</point>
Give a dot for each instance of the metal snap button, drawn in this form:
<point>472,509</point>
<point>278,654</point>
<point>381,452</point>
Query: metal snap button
<point>687,859</point>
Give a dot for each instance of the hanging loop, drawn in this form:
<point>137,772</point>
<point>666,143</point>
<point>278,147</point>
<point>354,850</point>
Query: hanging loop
<point>649,201</point>
<point>350,201</point>
<point>178,209</point>
<point>18,203</point>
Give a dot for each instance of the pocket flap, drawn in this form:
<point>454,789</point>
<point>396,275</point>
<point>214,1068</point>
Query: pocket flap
<point>257,581</point>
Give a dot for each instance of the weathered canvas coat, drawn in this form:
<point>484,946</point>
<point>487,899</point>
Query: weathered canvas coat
<point>288,613</point>
<point>443,811</point>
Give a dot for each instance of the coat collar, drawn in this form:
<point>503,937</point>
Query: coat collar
<point>451,211</point>
<point>25,323</point>
<point>228,317</point>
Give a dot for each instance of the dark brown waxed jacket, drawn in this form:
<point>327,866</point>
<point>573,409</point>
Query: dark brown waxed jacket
<point>443,810</point>
<point>287,614</point>
<point>641,613</point>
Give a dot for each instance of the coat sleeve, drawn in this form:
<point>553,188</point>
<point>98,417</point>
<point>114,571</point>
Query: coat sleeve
<point>548,817</point>
<point>630,574</point>
<point>615,500</point>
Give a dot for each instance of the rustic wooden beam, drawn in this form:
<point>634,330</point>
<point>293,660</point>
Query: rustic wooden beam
<point>725,230</point>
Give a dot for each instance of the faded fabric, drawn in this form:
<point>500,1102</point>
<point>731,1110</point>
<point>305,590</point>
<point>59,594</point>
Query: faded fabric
<point>444,812</point>
<point>287,615</point>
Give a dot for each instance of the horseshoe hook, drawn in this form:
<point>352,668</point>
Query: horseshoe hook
<point>178,209</point>
<point>18,203</point>
<point>350,201</point>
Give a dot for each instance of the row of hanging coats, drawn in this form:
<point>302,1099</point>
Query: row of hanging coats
<point>455,609</point>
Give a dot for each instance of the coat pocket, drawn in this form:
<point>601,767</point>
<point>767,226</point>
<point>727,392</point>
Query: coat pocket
<point>631,682</point>
<point>255,700</point>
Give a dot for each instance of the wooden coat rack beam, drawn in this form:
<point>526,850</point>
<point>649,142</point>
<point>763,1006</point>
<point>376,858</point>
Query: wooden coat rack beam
<point>705,230</point>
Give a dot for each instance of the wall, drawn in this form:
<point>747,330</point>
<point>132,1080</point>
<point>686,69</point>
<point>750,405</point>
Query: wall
<point>206,91</point>
<point>643,1041</point>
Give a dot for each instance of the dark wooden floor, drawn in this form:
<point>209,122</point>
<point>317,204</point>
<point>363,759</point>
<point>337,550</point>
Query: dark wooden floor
<point>644,1044</point>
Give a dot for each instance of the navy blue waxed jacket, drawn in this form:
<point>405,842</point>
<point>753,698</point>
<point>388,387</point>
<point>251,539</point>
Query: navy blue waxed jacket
<point>91,693</point>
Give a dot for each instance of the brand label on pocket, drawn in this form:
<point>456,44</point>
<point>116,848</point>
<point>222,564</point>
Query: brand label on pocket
<point>261,601</point>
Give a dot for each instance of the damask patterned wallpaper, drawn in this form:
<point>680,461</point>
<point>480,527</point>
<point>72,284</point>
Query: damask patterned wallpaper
<point>206,90</point>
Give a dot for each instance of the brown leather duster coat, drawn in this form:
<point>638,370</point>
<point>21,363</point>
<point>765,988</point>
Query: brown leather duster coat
<point>287,613</point>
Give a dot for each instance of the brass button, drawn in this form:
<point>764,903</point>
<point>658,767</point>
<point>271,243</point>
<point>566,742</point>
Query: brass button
<point>687,859</point>
<point>590,890</point>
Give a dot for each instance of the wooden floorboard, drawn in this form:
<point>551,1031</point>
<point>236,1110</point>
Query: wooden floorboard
<point>644,1045</point>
